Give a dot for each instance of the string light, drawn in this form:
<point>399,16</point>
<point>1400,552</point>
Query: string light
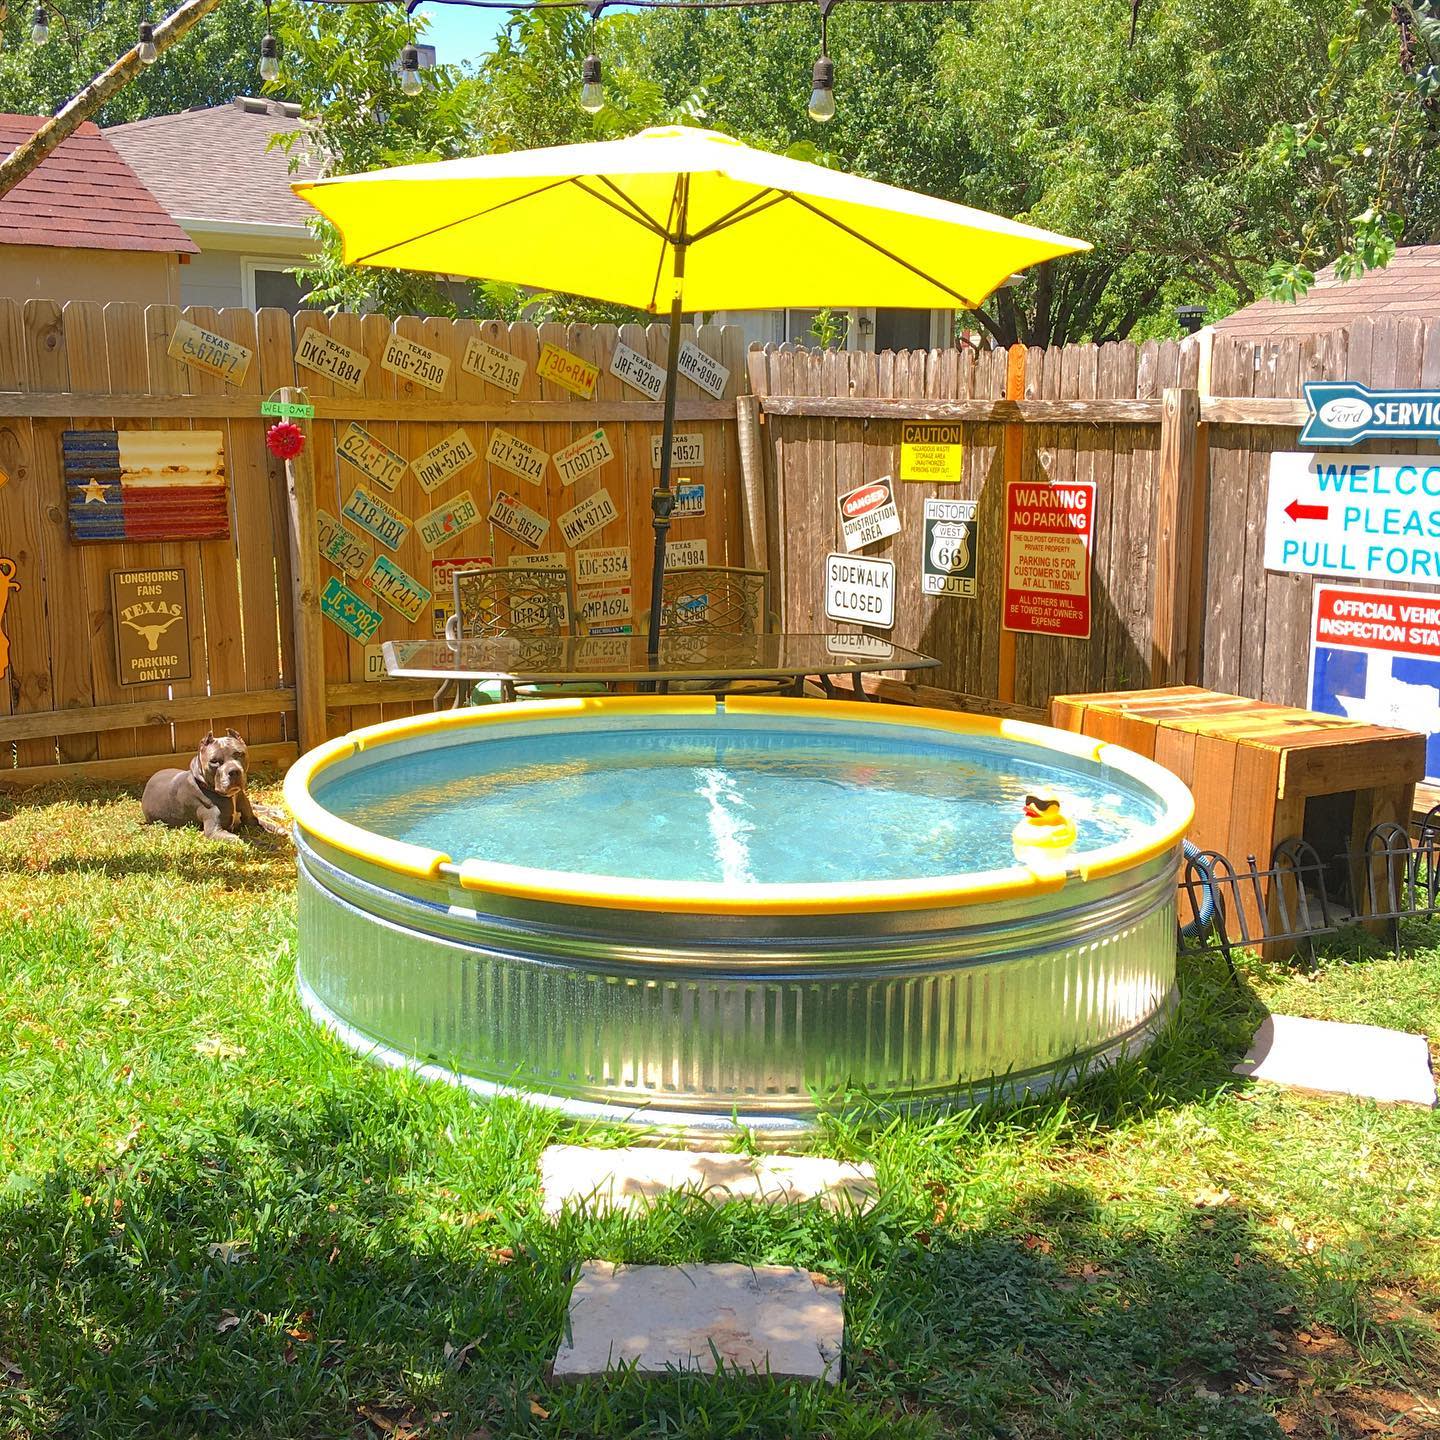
<point>592,92</point>
<point>822,77</point>
<point>40,26</point>
<point>410,70</point>
<point>269,53</point>
<point>148,53</point>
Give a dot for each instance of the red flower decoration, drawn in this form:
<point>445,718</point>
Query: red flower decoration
<point>286,440</point>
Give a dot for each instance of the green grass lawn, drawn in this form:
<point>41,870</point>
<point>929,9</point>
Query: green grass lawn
<point>215,1221</point>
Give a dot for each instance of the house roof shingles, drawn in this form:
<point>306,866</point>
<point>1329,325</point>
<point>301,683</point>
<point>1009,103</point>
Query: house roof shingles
<point>1409,285</point>
<point>217,164</point>
<point>83,197</point>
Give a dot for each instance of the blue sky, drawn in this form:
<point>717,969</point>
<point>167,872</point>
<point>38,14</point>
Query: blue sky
<point>460,33</point>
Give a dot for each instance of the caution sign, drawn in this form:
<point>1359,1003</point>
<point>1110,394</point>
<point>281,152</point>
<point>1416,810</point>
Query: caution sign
<point>1049,534</point>
<point>868,514</point>
<point>152,625</point>
<point>947,564</point>
<point>931,451</point>
<point>860,589</point>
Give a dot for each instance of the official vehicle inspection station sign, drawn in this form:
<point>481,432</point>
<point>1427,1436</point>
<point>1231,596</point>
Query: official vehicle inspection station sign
<point>1375,657</point>
<point>1371,516</point>
<point>1049,536</point>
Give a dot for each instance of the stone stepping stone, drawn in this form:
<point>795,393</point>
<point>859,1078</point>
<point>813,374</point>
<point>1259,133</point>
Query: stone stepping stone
<point>633,1178</point>
<point>765,1319</point>
<point>1330,1058</point>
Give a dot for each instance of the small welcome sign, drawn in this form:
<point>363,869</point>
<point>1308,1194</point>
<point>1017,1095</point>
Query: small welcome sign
<point>1344,412</point>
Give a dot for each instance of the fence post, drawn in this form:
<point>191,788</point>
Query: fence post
<point>309,646</point>
<point>754,540</point>
<point>1174,551</point>
<point>1013,452</point>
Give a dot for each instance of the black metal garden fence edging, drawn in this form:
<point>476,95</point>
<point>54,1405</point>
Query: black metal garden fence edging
<point>1394,877</point>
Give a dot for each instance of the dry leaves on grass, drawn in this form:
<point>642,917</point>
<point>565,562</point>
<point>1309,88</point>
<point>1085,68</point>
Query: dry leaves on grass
<point>399,1422</point>
<point>217,1047</point>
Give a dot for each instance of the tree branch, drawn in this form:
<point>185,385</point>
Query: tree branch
<point>81,106</point>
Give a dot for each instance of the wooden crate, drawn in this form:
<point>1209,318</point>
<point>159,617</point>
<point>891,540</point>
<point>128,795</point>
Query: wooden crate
<point>1253,766</point>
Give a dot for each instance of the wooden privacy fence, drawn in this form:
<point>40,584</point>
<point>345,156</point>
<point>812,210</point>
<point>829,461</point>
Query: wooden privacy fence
<point>120,369</point>
<point>1177,437</point>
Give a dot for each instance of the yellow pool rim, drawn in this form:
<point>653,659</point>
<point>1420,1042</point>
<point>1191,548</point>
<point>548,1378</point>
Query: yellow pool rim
<point>1016,882</point>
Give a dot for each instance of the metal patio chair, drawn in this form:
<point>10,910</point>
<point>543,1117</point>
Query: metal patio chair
<point>533,607</point>
<point>699,601</point>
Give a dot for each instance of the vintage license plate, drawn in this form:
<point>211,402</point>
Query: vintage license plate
<point>591,514</point>
<point>510,452</point>
<point>638,372</point>
<point>588,453</point>
<point>447,521</point>
<point>318,352</point>
<point>338,602</point>
<point>376,518</point>
<point>410,361</point>
<point>567,370</point>
<point>342,546</point>
<point>610,562</point>
<point>375,461</point>
<point>497,366</point>
<point>442,461</point>
<point>397,588</point>
<point>510,514</point>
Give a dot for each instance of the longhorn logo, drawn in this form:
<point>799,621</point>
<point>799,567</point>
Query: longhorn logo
<point>152,633</point>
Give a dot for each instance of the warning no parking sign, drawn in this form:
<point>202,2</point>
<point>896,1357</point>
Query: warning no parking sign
<point>1049,532</point>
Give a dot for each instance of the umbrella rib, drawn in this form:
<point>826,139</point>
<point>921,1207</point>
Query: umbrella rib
<point>747,209</point>
<point>634,211</point>
<point>463,220</point>
<point>965,302</point>
<point>666,239</point>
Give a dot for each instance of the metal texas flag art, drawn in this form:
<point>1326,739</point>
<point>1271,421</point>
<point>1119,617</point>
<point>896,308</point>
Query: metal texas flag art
<point>146,484</point>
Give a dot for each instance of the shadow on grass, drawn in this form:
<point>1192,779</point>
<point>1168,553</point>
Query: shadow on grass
<point>325,1268</point>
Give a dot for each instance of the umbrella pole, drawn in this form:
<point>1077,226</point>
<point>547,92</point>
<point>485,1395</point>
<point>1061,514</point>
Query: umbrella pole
<point>662,498</point>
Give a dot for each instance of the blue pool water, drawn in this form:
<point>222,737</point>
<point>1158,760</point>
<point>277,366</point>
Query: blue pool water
<point>725,802</point>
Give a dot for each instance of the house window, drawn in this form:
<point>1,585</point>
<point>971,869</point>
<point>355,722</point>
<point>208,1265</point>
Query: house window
<point>902,329</point>
<point>268,285</point>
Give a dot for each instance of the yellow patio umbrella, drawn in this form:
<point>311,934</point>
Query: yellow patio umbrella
<point>675,220</point>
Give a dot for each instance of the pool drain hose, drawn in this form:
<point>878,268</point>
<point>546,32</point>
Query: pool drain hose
<point>1201,923</point>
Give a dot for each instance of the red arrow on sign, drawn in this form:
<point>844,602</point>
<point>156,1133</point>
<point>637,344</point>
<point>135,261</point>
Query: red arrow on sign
<point>1296,511</point>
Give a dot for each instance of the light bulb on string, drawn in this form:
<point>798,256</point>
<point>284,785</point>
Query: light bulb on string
<point>822,94</point>
<point>410,70</point>
<point>269,60</point>
<point>592,92</point>
<point>148,53</point>
<point>822,78</point>
<point>39,26</point>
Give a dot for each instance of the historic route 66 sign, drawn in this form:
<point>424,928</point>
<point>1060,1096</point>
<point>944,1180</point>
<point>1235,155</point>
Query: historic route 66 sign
<point>948,557</point>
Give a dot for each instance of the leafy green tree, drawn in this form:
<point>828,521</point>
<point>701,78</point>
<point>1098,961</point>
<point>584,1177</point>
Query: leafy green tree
<point>210,66</point>
<point>1237,145</point>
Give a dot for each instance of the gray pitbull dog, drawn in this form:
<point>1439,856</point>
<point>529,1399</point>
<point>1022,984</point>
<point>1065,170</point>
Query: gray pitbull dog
<point>210,794</point>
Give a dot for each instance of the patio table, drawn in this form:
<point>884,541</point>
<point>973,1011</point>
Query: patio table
<point>622,659</point>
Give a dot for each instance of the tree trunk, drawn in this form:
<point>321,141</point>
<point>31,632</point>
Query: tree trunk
<point>80,107</point>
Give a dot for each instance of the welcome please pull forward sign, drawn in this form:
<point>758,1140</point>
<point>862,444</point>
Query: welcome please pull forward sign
<point>1372,516</point>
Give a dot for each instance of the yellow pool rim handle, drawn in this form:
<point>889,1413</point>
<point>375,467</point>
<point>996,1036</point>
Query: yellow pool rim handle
<point>517,882</point>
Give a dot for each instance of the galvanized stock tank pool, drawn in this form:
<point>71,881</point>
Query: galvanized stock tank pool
<point>693,913</point>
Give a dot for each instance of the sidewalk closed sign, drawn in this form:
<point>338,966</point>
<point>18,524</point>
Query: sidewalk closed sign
<point>1370,516</point>
<point>861,590</point>
<point>1049,531</point>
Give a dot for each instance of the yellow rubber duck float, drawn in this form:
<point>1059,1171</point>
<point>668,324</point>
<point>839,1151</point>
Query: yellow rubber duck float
<point>1046,830</point>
